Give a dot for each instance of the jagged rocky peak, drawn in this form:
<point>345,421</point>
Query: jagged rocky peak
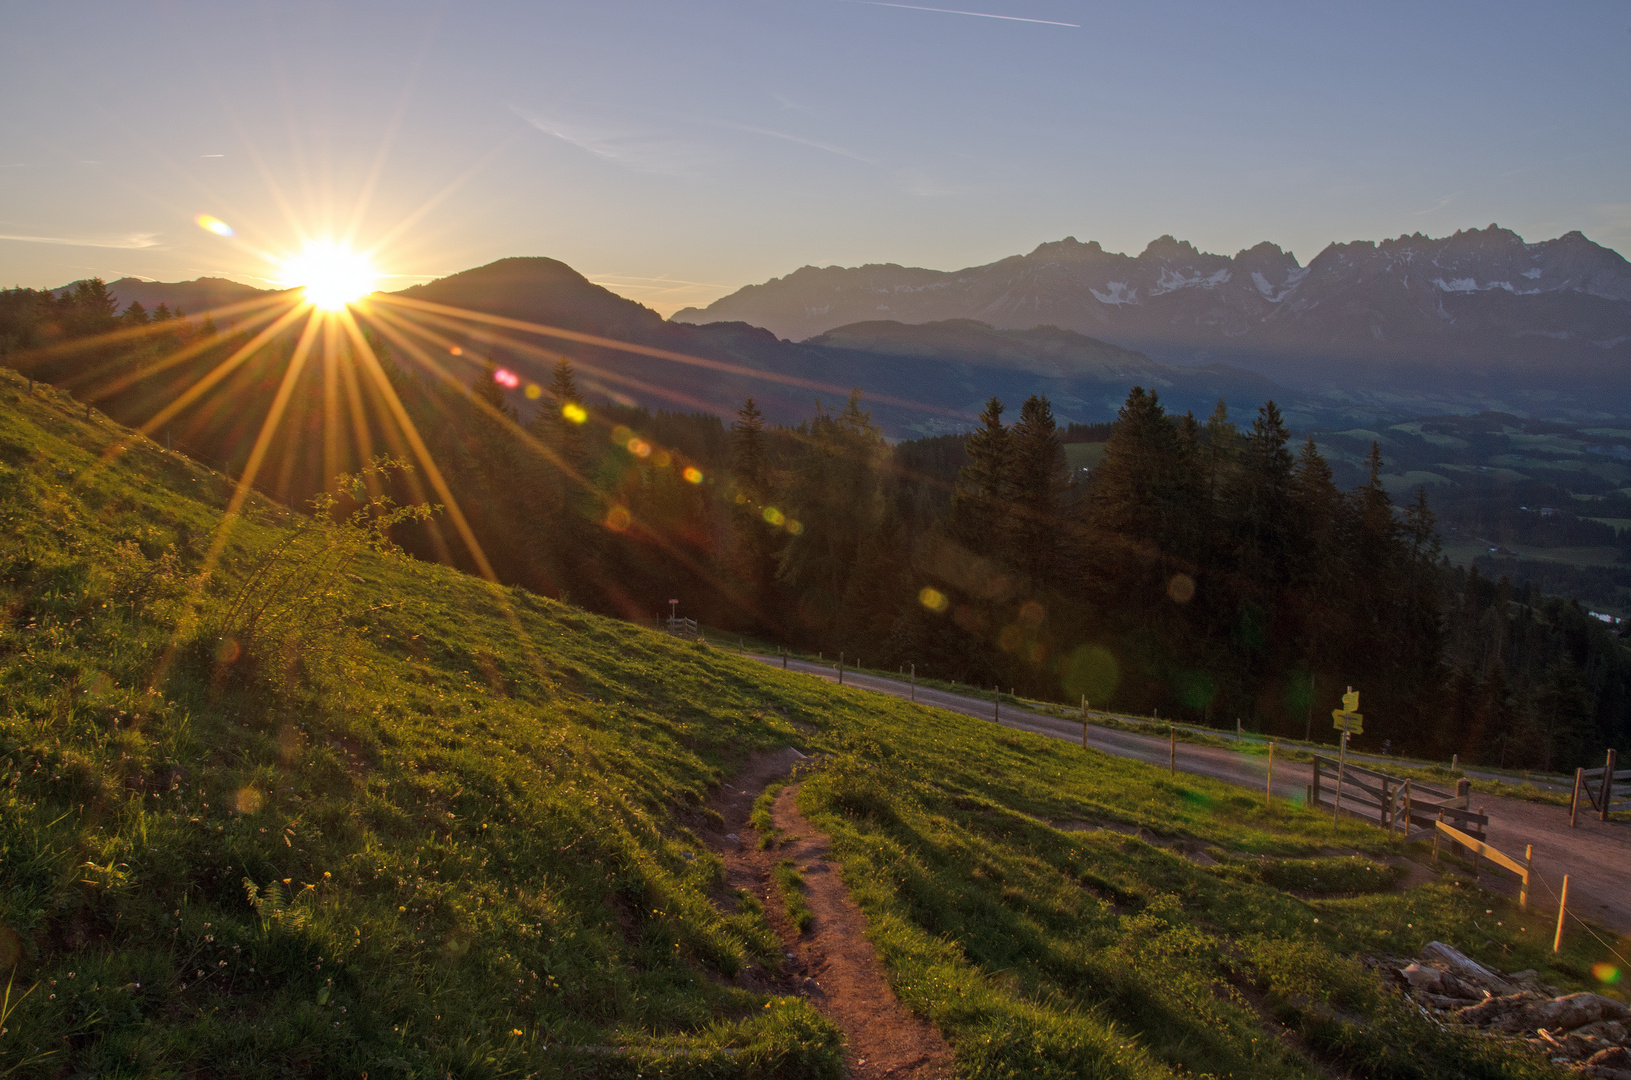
<point>1067,249</point>
<point>1168,249</point>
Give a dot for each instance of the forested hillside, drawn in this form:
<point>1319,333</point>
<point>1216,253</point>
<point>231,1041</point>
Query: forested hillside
<point>1193,568</point>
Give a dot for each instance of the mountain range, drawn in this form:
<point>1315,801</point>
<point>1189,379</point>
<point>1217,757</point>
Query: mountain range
<point>1409,327</point>
<point>1472,320</point>
<point>916,380</point>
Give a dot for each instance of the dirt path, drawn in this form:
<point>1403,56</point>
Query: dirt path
<point>832,964</point>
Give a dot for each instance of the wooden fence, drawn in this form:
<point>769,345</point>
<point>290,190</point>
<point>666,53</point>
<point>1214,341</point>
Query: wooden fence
<point>1403,805</point>
<point>682,626</point>
<point>1598,786</point>
<point>1481,849</point>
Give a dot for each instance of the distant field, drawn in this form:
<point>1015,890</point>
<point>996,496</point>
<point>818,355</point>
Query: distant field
<point>1462,554</point>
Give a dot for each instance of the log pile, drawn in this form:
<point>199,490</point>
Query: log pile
<point>1587,1032</point>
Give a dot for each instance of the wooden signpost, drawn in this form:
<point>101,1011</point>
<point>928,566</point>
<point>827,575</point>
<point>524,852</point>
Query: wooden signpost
<point>1348,721</point>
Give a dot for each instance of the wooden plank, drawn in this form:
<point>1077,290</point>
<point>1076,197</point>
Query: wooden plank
<point>1480,847</point>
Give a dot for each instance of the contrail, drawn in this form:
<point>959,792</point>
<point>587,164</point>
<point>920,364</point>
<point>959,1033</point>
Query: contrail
<point>955,11</point>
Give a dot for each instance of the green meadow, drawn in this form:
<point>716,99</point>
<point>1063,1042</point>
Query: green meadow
<point>297,805</point>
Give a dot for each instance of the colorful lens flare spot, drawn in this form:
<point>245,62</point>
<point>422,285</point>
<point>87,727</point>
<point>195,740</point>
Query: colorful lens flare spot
<point>795,526</point>
<point>1605,973</point>
<point>693,474</point>
<point>456,351</point>
<point>574,412</point>
<point>933,599</point>
<point>211,223</point>
<point>534,391</point>
<point>618,519</point>
<point>774,516</point>
<point>506,378</point>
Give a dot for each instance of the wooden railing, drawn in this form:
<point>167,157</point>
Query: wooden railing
<point>1598,786</point>
<point>1398,804</point>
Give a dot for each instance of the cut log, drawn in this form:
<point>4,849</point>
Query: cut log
<point>1465,968</point>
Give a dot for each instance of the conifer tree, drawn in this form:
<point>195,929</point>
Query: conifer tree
<point>1035,488</point>
<point>978,506</point>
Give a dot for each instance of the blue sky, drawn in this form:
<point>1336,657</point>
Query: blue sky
<point>675,151</point>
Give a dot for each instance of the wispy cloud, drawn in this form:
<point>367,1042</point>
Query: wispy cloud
<point>959,11</point>
<point>799,139</point>
<point>131,241</point>
<point>666,150</point>
<point>1441,204</point>
<point>633,148</point>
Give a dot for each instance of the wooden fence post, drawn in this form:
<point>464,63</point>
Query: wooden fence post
<point>1314,788</point>
<point>1172,764</point>
<point>996,704</point>
<point>914,682</point>
<point>1574,801</point>
<point>1608,784</point>
<point>1436,836</point>
<point>1342,764</point>
<point>1528,868</point>
<point>1562,909</point>
<point>840,669</point>
<point>1268,794</point>
<point>1407,809</point>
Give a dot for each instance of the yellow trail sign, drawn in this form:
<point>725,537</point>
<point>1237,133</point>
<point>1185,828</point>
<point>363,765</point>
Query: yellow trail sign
<point>1350,701</point>
<point>1351,722</point>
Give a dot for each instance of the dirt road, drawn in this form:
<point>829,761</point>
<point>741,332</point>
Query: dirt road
<point>1596,856</point>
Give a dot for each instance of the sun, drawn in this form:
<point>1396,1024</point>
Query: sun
<point>332,275</point>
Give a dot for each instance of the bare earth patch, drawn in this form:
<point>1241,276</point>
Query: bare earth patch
<point>833,964</point>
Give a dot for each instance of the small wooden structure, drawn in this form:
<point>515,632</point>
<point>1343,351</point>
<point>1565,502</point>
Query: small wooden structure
<point>1597,785</point>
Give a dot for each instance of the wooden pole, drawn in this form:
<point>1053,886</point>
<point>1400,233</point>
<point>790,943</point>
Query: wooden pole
<point>784,659</point>
<point>1608,784</point>
<point>914,682</point>
<point>1455,762</point>
<point>1406,831</point>
<point>840,669</point>
<point>1084,721</point>
<point>1574,802</point>
<point>1172,763</point>
<point>1436,836</point>
<point>1528,868</point>
<point>1562,909</point>
<point>1268,794</point>
<point>996,705</point>
<point>1342,762</point>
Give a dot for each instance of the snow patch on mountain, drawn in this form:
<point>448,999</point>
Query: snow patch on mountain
<point>1117,294</point>
<point>1172,280</point>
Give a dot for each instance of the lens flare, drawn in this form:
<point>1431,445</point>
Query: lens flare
<point>332,276</point>
<point>211,223</point>
<point>1605,973</point>
<point>693,474</point>
<point>574,412</point>
<point>933,599</point>
<point>774,516</point>
<point>534,391</point>
<point>506,378</point>
<point>795,526</point>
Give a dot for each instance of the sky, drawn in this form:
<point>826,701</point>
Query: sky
<point>674,151</point>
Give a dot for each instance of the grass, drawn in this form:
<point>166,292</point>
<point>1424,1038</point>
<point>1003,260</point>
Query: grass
<point>790,884</point>
<point>446,829</point>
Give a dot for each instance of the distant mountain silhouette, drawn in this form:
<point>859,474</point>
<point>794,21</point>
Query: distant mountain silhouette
<point>194,297</point>
<point>947,368</point>
<point>1480,313</point>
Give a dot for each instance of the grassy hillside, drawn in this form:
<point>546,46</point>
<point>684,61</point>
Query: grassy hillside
<point>338,812</point>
